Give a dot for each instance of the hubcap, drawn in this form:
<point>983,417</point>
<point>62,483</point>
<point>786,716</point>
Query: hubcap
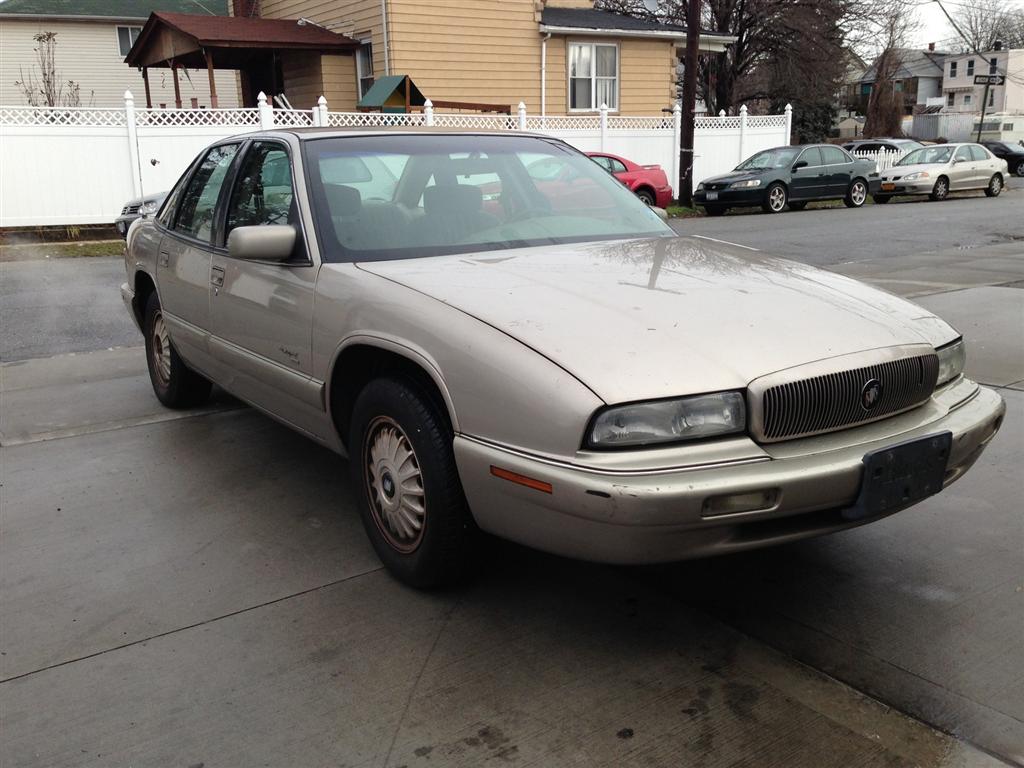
<point>858,194</point>
<point>777,199</point>
<point>161,350</point>
<point>997,185</point>
<point>940,188</point>
<point>394,484</point>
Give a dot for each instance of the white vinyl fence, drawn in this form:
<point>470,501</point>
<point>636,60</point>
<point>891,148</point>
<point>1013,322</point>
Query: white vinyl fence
<point>70,166</point>
<point>884,159</point>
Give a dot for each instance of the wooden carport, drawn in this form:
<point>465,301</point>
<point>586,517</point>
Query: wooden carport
<point>251,45</point>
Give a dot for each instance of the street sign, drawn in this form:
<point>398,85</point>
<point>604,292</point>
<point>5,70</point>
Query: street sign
<point>989,79</point>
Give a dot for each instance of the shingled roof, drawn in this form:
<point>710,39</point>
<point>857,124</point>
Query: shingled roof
<point>588,18</point>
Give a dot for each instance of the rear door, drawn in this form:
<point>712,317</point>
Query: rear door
<point>262,311</point>
<point>839,171</point>
<point>985,165</point>
<point>808,181</point>
<point>183,260</point>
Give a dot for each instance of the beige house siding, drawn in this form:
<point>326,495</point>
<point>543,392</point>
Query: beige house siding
<point>87,52</point>
<point>359,19</point>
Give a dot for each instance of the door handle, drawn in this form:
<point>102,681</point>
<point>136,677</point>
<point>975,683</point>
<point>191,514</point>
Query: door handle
<point>164,258</point>
<point>217,276</point>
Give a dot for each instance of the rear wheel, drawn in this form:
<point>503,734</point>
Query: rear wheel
<point>174,383</point>
<point>941,189</point>
<point>797,206</point>
<point>856,194</point>
<point>995,186</point>
<point>1020,168</point>
<point>407,485</point>
<point>646,195</point>
<point>715,210</point>
<point>881,199</point>
<point>775,199</point>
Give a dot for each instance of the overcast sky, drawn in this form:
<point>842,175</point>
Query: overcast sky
<point>934,26</point>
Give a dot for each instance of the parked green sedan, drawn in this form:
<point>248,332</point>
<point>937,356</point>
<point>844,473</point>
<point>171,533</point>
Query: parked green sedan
<point>792,176</point>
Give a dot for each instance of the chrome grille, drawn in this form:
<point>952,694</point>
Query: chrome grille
<point>833,400</point>
<point>130,209</point>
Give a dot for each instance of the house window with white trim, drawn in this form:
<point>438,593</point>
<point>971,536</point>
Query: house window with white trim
<point>364,67</point>
<point>126,37</point>
<point>970,67</point>
<point>952,69</point>
<point>950,99</point>
<point>967,99</point>
<point>993,66</point>
<point>593,76</point>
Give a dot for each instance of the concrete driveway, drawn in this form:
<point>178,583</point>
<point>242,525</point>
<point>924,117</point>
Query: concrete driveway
<point>195,588</point>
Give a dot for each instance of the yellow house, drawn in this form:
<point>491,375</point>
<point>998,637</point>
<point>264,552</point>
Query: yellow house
<point>560,57</point>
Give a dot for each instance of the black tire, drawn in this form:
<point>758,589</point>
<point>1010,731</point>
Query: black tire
<point>715,210</point>
<point>995,186</point>
<point>174,383</point>
<point>857,194</point>
<point>646,195</point>
<point>941,189</point>
<point>798,206</point>
<point>881,199</point>
<point>438,552</point>
<point>1019,170</point>
<point>775,198</point>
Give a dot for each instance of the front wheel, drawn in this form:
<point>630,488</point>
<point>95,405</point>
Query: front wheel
<point>646,195</point>
<point>941,189</point>
<point>715,210</point>
<point>407,485</point>
<point>995,186</point>
<point>775,199</point>
<point>856,194</point>
<point>174,383</point>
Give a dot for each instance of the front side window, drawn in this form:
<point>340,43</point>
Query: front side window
<point>263,192</point>
<point>463,194</point>
<point>364,67</point>
<point>963,154</point>
<point>199,200</point>
<point>812,157</point>
<point>126,37</point>
<point>593,76</point>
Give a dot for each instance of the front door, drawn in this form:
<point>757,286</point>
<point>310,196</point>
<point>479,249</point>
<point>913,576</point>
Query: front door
<point>183,260</point>
<point>963,173</point>
<point>262,312</point>
<point>808,181</point>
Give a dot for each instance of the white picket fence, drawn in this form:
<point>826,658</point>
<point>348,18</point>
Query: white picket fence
<point>884,159</point>
<point>71,166</point>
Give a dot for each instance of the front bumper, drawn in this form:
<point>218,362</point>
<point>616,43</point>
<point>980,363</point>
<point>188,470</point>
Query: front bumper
<point>124,223</point>
<point>730,197</point>
<point>923,187</point>
<point>663,516</point>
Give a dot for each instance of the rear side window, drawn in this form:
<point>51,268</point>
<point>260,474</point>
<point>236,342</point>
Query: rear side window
<point>834,156</point>
<point>199,200</point>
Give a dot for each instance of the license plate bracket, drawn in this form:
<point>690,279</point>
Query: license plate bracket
<point>888,187</point>
<point>897,476</point>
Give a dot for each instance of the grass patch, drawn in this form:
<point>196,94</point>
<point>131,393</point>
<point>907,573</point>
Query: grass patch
<point>36,251</point>
<point>683,212</point>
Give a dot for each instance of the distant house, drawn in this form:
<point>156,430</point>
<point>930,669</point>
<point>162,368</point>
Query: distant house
<point>918,78</point>
<point>92,39</point>
<point>560,57</point>
<point>962,94</point>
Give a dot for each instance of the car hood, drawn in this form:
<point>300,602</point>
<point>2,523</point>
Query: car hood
<point>734,176</point>
<point>642,319</point>
<point>905,170</point>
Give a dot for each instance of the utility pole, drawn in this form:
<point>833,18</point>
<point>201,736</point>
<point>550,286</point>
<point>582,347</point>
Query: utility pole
<point>689,102</point>
<point>984,104</point>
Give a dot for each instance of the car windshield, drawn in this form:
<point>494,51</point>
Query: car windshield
<point>770,158</point>
<point>928,156</point>
<point>409,196</point>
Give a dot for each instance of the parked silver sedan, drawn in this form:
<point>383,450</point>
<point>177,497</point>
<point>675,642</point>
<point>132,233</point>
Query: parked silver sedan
<point>540,359</point>
<point>939,169</point>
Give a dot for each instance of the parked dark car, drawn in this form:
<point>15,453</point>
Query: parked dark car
<point>1013,154</point>
<point>792,176</point>
<point>137,208</point>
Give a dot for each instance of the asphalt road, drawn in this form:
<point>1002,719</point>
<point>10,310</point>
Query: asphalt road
<point>185,588</point>
<point>903,226</point>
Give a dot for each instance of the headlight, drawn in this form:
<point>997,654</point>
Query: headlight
<point>745,184</point>
<point>916,176</point>
<point>668,421</point>
<point>699,187</point>
<point>951,361</point>
<point>149,207</point>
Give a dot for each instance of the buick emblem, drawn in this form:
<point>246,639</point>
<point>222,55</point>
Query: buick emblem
<point>871,394</point>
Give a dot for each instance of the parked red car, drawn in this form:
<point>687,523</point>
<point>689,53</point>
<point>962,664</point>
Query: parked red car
<point>648,182</point>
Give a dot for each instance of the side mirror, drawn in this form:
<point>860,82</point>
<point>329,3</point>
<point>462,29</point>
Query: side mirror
<point>263,242</point>
<point>799,164</point>
<point>662,213</point>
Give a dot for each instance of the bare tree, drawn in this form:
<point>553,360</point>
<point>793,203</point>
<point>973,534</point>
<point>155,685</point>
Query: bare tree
<point>985,22</point>
<point>43,85</point>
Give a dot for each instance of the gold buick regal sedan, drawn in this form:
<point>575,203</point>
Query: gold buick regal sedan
<point>502,338</point>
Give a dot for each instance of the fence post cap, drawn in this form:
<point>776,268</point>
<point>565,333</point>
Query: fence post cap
<point>677,107</point>
<point>322,101</point>
<point>128,96</point>
<point>261,98</point>
<point>789,107</point>
<point>721,113</point>
<point>604,107</point>
<point>743,109</point>
<point>428,103</point>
